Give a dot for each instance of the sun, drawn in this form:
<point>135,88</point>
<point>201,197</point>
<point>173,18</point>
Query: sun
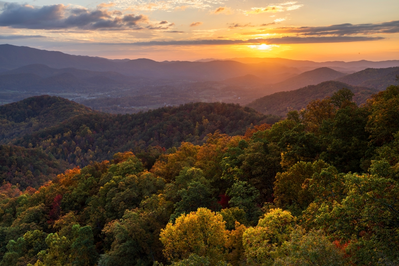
<point>262,47</point>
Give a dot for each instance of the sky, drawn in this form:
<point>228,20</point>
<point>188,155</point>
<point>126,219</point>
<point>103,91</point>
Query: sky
<point>317,30</point>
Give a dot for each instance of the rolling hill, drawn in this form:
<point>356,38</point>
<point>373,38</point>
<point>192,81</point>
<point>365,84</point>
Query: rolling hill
<point>281,103</point>
<point>76,135</point>
<point>312,77</point>
<point>378,79</point>
<point>36,113</point>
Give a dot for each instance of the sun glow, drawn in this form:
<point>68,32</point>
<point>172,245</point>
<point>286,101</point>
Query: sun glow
<point>262,47</point>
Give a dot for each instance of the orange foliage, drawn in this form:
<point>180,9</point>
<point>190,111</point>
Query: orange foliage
<point>251,131</point>
<point>342,247</point>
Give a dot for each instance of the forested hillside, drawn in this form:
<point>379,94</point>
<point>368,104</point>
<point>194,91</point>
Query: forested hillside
<point>374,78</point>
<point>27,166</point>
<point>36,113</point>
<point>317,188</point>
<point>73,135</point>
<point>281,103</point>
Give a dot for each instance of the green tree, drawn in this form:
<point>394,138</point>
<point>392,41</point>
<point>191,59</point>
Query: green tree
<point>306,249</point>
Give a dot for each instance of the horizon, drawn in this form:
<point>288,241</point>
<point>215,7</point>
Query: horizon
<point>192,30</point>
<point>206,59</point>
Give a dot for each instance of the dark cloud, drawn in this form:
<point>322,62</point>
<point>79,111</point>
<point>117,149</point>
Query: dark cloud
<point>15,37</point>
<point>283,40</point>
<point>174,31</point>
<point>239,25</point>
<point>267,24</point>
<point>248,25</point>
<point>343,29</point>
<point>63,17</point>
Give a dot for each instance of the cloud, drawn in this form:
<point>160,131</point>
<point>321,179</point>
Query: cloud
<point>268,24</point>
<point>250,25</point>
<point>223,10</point>
<point>343,29</point>
<point>152,5</point>
<point>220,10</point>
<point>195,24</point>
<point>105,5</point>
<point>283,40</point>
<point>174,31</point>
<point>16,37</point>
<point>278,20</point>
<point>288,6</point>
<point>64,17</point>
<point>239,25</point>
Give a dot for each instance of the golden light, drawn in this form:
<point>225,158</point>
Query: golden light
<point>262,47</point>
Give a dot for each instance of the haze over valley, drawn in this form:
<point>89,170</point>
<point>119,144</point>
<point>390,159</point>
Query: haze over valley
<point>129,86</point>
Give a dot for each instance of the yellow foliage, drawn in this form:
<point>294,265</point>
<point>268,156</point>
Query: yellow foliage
<point>169,166</point>
<point>261,243</point>
<point>202,232</point>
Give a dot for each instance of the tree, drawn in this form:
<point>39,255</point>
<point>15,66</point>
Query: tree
<point>291,188</point>
<point>202,233</point>
<point>364,215</point>
<point>261,243</point>
<point>245,196</point>
<point>383,120</point>
<point>312,248</point>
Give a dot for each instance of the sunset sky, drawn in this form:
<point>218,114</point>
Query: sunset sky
<point>318,30</point>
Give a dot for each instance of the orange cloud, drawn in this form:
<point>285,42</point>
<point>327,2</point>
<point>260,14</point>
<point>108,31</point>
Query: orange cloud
<point>288,6</point>
<point>195,24</point>
<point>223,10</point>
<point>105,5</point>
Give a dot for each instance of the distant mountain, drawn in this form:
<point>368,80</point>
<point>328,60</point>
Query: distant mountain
<point>306,65</point>
<point>18,56</point>
<point>36,113</point>
<point>45,71</point>
<point>282,102</point>
<point>15,57</point>
<point>312,77</point>
<point>246,80</point>
<point>38,79</point>
<point>378,79</point>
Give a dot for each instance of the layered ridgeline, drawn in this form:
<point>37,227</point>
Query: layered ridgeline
<point>281,103</point>
<point>131,86</point>
<point>374,78</point>
<point>307,78</point>
<point>76,135</point>
<point>319,188</point>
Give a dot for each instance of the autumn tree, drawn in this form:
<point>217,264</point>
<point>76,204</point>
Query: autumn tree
<point>202,232</point>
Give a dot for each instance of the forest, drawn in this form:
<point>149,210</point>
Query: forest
<point>209,185</point>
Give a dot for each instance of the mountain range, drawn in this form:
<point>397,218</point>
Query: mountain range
<point>129,86</point>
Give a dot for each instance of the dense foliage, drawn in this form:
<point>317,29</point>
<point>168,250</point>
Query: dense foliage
<point>318,188</point>
<point>27,166</point>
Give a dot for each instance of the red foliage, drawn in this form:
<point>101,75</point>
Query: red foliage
<point>224,200</point>
<point>55,209</point>
<point>342,247</point>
